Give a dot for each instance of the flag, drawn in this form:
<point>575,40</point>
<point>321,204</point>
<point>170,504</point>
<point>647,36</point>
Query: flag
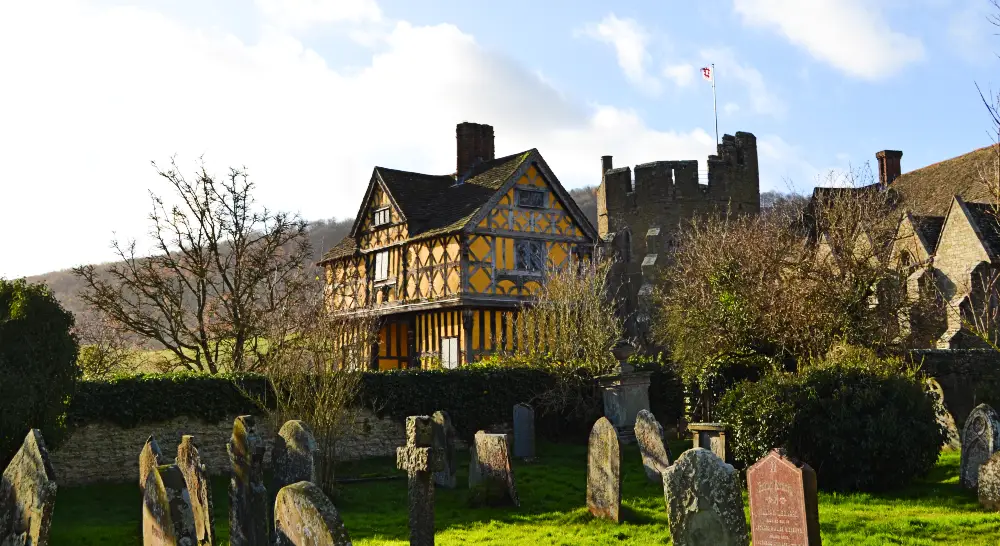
<point>706,73</point>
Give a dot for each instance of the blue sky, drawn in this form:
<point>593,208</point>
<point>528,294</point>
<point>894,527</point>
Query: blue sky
<point>311,94</point>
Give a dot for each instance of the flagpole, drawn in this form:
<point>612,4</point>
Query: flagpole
<point>715,106</point>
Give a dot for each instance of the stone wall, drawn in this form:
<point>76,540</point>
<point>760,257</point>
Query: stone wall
<point>967,377</point>
<point>102,452</point>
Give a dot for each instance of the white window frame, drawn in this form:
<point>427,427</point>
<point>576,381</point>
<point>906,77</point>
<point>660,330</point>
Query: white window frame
<point>450,353</point>
<point>381,266</point>
<point>382,216</point>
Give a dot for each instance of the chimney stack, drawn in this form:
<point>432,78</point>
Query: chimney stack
<point>475,145</point>
<point>605,165</point>
<point>888,166</point>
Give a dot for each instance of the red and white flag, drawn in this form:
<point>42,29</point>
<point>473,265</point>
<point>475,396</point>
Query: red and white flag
<point>706,73</point>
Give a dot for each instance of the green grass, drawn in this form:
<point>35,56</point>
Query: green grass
<point>934,510</point>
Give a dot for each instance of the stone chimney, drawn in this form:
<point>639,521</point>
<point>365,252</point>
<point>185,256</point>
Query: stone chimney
<point>475,145</point>
<point>606,165</point>
<point>888,165</point>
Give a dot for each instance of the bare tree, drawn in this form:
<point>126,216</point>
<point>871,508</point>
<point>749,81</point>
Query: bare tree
<point>316,373</point>
<point>105,348</point>
<point>220,267</point>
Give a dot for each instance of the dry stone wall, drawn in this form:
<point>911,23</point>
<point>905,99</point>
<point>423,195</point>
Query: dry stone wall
<point>104,452</point>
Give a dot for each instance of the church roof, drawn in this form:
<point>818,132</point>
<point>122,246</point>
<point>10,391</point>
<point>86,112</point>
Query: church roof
<point>928,191</point>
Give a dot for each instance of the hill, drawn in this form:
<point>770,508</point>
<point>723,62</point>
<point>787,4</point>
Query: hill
<point>323,234</point>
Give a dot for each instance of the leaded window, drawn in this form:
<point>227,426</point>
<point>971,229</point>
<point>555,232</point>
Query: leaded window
<point>531,198</point>
<point>529,255</point>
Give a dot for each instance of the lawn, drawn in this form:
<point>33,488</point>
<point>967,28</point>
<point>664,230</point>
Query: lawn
<point>552,490</point>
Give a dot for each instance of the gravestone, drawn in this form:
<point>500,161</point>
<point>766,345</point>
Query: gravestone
<point>304,516</point>
<point>27,494</point>
<point>419,459</point>
<point>989,483</point>
<point>444,442</point>
<point>783,504</point>
<point>952,440</point>
<point>295,456</point>
<point>604,478</point>
<point>524,431</point>
<point>652,446</point>
<point>248,511</point>
<point>491,478</point>
<point>149,458</point>
<point>980,440</point>
<point>199,489</point>
<point>704,501</point>
<point>167,517</point>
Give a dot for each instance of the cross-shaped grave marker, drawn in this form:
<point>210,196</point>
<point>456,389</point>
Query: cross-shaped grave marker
<point>420,461</point>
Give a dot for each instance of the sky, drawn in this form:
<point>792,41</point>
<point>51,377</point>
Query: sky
<point>310,95</point>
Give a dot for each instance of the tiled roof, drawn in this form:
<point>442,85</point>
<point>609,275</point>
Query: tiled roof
<point>346,247</point>
<point>985,217</point>
<point>435,204</point>
<point>929,228</point>
<point>929,190</point>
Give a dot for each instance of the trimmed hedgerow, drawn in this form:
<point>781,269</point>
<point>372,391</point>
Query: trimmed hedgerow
<point>475,397</point>
<point>860,428</point>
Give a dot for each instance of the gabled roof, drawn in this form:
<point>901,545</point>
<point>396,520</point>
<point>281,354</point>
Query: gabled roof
<point>929,190</point>
<point>435,205</point>
<point>929,229</point>
<point>984,219</point>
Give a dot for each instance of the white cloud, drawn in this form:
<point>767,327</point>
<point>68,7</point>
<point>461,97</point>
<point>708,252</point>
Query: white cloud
<point>731,108</point>
<point>730,71</point>
<point>681,74</point>
<point>103,91</point>
<point>629,39</point>
<point>785,167</point>
<point>851,35</point>
<point>301,14</point>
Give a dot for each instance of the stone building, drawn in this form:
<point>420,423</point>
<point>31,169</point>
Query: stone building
<point>639,212</point>
<point>444,260</point>
<point>947,243</point>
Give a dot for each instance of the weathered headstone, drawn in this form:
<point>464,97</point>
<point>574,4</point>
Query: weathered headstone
<point>491,478</point>
<point>304,516</point>
<point>167,517</point>
<point>199,489</point>
<point>420,460</point>
<point>524,431</point>
<point>27,494</point>
<point>652,446</point>
<point>783,504</point>
<point>295,456</point>
<point>444,442</point>
<point>704,501</point>
<point>980,440</point>
<point>149,458</point>
<point>248,513</point>
<point>989,483</point>
<point>604,477</point>
<point>952,440</point>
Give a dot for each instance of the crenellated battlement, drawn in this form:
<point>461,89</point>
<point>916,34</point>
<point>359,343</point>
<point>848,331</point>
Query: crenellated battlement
<point>657,197</point>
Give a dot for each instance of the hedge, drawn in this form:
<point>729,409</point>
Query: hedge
<point>475,397</point>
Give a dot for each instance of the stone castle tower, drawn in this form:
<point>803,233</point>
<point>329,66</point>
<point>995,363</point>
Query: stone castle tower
<point>638,217</point>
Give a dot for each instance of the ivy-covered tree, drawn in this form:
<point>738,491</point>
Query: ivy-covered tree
<point>37,364</point>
